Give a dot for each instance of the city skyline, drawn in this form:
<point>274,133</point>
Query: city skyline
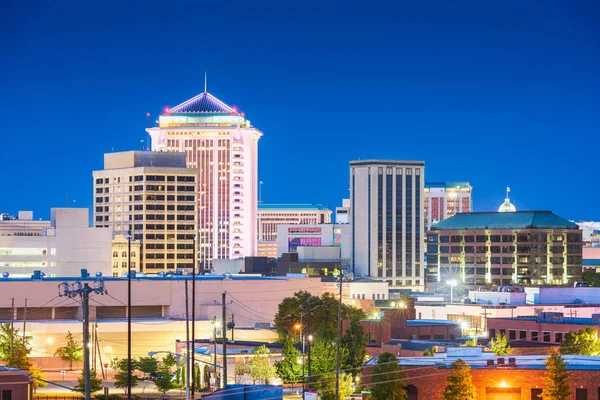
<point>494,109</point>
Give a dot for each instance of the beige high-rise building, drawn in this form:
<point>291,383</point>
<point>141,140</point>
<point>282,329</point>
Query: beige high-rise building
<point>152,194</point>
<point>222,144</point>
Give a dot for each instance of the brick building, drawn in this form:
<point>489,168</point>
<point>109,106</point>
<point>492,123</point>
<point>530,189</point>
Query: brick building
<point>496,378</point>
<point>15,384</point>
<point>547,327</point>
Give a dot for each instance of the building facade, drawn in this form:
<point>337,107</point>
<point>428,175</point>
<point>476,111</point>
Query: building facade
<point>120,255</point>
<point>342,214</point>
<point>445,199</point>
<point>222,145</point>
<point>291,237</point>
<point>59,247</point>
<point>503,248</point>
<point>270,216</point>
<point>153,194</point>
<point>386,215</point>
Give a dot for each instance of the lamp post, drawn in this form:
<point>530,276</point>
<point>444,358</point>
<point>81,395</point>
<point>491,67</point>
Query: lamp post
<point>452,283</point>
<point>193,367</point>
<point>129,315</point>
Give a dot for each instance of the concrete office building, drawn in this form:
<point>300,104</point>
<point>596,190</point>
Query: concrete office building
<point>291,237</point>
<point>153,194</point>
<point>222,145</point>
<point>342,214</point>
<point>270,216</point>
<point>386,216</point>
<point>59,247</point>
<point>445,199</point>
<point>502,248</point>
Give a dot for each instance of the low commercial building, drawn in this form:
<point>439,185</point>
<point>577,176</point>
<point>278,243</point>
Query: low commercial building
<point>270,216</point>
<point>15,384</point>
<point>546,327</point>
<point>503,248</point>
<point>495,378</point>
<point>59,247</point>
<point>291,237</point>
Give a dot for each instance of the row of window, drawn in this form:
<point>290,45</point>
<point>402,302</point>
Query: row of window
<point>148,197</point>
<point>532,237</point>
<point>149,178</point>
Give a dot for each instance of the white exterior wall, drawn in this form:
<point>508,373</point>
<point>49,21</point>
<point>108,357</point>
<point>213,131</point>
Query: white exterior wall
<point>369,290</point>
<point>562,295</point>
<point>326,234</point>
<point>497,297</point>
<point>364,177</point>
<point>70,245</point>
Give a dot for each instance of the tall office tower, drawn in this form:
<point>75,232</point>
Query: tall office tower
<point>154,195</point>
<point>272,215</point>
<point>222,144</point>
<point>445,199</point>
<point>386,213</point>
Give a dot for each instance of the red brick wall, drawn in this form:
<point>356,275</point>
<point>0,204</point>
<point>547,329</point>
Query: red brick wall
<point>431,381</point>
<point>18,384</point>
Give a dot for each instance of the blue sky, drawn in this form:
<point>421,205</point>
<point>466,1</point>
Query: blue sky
<point>503,94</point>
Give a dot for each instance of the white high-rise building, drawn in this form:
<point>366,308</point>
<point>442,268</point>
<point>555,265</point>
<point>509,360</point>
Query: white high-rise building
<point>222,144</point>
<point>386,213</point>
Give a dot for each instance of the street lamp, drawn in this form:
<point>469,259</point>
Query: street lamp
<point>452,283</point>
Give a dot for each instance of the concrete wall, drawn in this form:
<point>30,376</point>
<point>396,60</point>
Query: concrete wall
<point>497,297</point>
<point>563,295</point>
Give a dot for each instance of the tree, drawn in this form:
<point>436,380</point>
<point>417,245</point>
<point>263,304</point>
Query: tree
<point>260,365</point>
<point>147,365</point>
<point>593,278</point>
<point>169,360</point>
<point>71,352</point>
<point>289,369</point>
<point>459,384</point>
<point>430,352</point>
<point>20,348</point>
<point>322,315</point>
<point>327,390</point>
<point>121,376</point>
<point>388,372</point>
<point>500,346</point>
<point>164,382</point>
<point>39,380</point>
<point>354,344</point>
<point>472,342</point>
<point>19,357</point>
<point>556,386</point>
<point>95,382</point>
<point>241,370</point>
<point>585,343</point>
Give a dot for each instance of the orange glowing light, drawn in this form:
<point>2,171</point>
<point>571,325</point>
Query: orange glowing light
<point>503,384</point>
<point>297,326</point>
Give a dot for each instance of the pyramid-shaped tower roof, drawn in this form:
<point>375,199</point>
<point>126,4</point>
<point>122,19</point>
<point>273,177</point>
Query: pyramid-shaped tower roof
<point>204,103</point>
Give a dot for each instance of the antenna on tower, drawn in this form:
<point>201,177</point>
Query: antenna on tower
<point>204,81</point>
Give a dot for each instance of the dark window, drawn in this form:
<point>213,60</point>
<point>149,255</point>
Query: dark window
<point>492,333</point>
<point>512,334</point>
<point>481,238</point>
<point>536,394</point>
<point>581,394</point>
<point>7,395</point>
<point>558,337</point>
<point>444,239</point>
<point>546,336</point>
<point>534,336</point>
<point>522,335</point>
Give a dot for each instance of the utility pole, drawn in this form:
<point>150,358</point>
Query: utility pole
<point>308,337</point>
<point>129,366</point>
<point>12,325</point>
<point>223,302</point>
<point>24,321</point>
<point>232,327</point>
<point>187,343</point>
<point>339,335</point>
<point>215,343</point>
<point>77,289</point>
<point>194,317</point>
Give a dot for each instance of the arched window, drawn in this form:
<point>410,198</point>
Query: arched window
<point>133,254</point>
<point>115,254</point>
<point>413,392</point>
<point>124,254</point>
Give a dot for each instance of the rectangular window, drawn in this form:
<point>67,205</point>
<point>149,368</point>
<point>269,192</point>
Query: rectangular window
<point>558,337</point>
<point>7,395</point>
<point>546,336</point>
<point>512,334</point>
<point>534,336</point>
<point>522,335</point>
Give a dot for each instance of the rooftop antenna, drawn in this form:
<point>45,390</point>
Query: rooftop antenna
<point>204,81</point>
<point>507,192</point>
<point>142,144</point>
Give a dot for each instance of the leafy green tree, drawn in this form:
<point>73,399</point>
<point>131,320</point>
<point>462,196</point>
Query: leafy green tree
<point>289,369</point>
<point>459,384</point>
<point>593,278</point>
<point>241,370</point>
<point>430,352</point>
<point>95,382</point>
<point>472,342</point>
<point>500,346</point>
<point>585,343</point>
<point>169,360</point>
<point>121,375</point>
<point>39,380</point>
<point>355,347</point>
<point>147,365</point>
<point>388,372</point>
<point>20,347</point>
<point>164,382</point>
<point>327,390</point>
<point>71,352</point>
<point>322,315</point>
<point>260,365</point>
<point>556,378</point>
